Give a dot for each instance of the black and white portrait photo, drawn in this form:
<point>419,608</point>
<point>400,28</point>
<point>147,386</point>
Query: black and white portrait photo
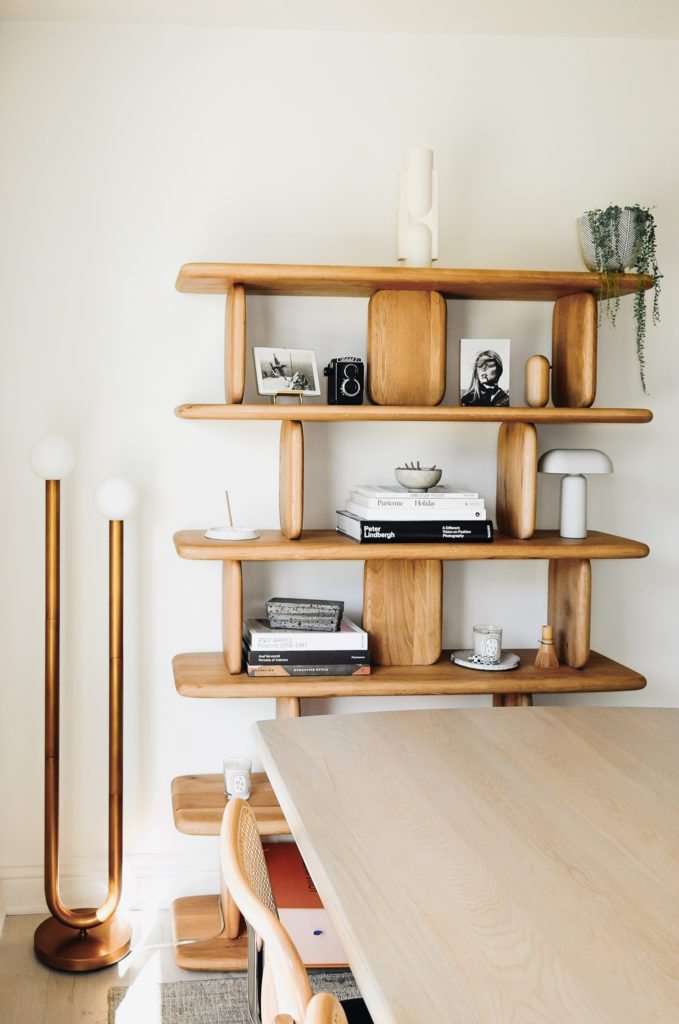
<point>484,371</point>
<point>286,370</point>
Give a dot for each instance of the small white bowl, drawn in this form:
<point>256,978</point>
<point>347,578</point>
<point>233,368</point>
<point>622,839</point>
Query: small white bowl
<point>418,479</point>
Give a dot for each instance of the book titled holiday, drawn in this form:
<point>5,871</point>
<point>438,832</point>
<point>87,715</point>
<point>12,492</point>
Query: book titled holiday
<point>430,531</point>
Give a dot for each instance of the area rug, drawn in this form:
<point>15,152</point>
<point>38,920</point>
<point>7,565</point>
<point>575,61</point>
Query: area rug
<point>218,1001</point>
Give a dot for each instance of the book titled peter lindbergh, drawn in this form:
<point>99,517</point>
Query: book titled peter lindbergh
<point>414,531</point>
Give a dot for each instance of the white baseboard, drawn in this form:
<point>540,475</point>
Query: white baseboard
<point>150,881</point>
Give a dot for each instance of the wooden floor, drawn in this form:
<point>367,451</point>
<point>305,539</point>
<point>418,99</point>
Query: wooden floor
<point>31,993</point>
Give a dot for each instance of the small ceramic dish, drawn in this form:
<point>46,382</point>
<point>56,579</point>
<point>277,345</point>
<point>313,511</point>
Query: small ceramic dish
<point>418,479</point>
<point>231,533</point>
<point>465,659</point>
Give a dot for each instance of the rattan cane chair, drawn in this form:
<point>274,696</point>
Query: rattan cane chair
<point>278,982</point>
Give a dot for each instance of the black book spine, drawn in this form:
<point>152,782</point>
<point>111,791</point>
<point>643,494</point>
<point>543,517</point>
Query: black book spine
<point>305,657</point>
<point>408,532</point>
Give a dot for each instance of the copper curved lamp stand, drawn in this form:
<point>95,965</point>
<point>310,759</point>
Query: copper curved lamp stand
<point>82,939</point>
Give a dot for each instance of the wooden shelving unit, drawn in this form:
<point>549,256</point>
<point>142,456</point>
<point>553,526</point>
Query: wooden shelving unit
<point>402,592</point>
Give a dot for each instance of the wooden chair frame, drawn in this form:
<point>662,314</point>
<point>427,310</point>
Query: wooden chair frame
<point>285,987</point>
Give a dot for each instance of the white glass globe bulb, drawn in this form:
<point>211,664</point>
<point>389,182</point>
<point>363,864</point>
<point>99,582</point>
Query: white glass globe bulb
<point>116,498</point>
<point>52,457</point>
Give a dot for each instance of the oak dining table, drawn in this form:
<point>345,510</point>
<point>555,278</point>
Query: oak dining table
<point>495,865</point>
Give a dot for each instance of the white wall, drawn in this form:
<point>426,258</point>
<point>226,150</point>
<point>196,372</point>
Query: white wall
<point>128,151</point>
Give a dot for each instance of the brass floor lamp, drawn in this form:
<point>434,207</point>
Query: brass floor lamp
<point>83,939</point>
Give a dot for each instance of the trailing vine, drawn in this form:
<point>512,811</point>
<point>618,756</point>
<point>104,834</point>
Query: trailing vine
<point>609,244</point>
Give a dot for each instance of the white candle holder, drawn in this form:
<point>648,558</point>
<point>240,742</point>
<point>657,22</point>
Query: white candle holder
<point>487,644</point>
<point>237,777</point>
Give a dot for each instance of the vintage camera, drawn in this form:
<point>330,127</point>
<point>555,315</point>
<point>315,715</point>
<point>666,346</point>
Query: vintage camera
<point>346,381</point>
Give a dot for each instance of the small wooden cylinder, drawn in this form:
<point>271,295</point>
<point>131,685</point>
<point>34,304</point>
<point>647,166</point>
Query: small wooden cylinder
<point>537,381</point>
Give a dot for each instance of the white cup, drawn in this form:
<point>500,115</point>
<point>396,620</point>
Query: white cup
<point>237,776</point>
<point>487,644</point>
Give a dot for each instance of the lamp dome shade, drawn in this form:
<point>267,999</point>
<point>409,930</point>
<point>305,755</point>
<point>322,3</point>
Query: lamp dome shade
<point>52,457</point>
<point>574,460</point>
<point>116,498</point>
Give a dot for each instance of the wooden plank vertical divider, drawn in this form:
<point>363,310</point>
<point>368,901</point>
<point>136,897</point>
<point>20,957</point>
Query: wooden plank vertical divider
<point>568,609</point>
<point>517,469</point>
<point>512,700</point>
<point>291,479</point>
<point>406,347</point>
<point>232,615</point>
<point>574,341</point>
<point>288,707</point>
<point>234,344</point>
<point>402,606</point>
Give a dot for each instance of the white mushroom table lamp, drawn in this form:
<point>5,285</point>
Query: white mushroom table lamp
<point>574,464</point>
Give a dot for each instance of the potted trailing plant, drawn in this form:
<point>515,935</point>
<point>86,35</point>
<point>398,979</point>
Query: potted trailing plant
<point>617,239</point>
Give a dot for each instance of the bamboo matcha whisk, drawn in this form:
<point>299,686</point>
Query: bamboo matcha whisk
<point>546,656</point>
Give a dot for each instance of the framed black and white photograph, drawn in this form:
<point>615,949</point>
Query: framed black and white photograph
<point>484,371</point>
<point>286,371</point>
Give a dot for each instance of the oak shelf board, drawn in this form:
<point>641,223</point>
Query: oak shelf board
<point>442,413</point>
<point>200,943</point>
<point>197,928</point>
<point>198,803</point>
<point>328,545</point>
<point>205,675</point>
<point>362,282</point>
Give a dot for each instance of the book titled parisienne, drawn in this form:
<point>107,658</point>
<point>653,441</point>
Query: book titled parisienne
<point>415,502</point>
<point>260,636</point>
<point>412,531</point>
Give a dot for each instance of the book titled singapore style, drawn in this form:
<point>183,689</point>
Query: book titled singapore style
<point>260,636</point>
<point>267,671</point>
<point>430,531</point>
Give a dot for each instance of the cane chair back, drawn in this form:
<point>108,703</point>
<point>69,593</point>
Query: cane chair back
<point>280,984</point>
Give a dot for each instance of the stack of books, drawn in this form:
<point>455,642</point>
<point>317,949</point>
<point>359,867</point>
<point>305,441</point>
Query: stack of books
<point>396,515</point>
<point>270,651</point>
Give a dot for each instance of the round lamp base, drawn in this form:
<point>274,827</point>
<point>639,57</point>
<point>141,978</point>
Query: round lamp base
<point>69,949</point>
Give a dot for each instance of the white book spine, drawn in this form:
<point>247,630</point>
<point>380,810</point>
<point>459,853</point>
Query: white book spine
<point>414,515</point>
<point>447,506</point>
<point>263,638</point>
<point>440,492</point>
